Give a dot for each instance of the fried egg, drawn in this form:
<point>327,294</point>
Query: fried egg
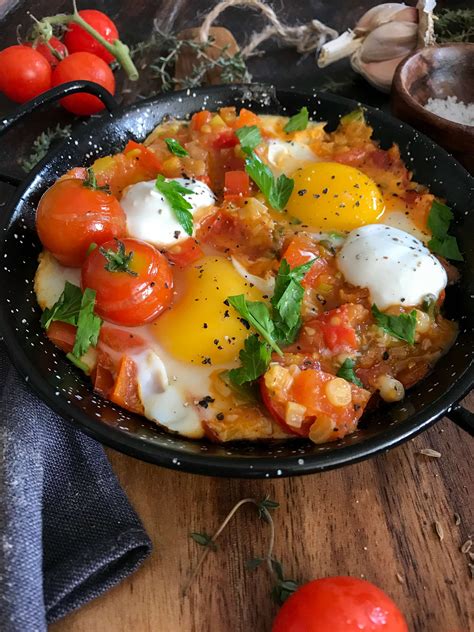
<point>50,279</point>
<point>287,156</point>
<point>331,196</point>
<point>396,267</point>
<point>150,216</point>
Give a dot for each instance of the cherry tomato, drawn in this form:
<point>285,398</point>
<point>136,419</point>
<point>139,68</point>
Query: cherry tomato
<point>83,66</point>
<point>71,216</point>
<point>78,40</point>
<point>339,604</point>
<point>24,73</point>
<point>44,50</point>
<point>134,295</point>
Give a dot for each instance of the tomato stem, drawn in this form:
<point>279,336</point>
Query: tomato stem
<point>118,49</point>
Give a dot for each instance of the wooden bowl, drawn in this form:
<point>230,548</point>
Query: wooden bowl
<point>438,72</point>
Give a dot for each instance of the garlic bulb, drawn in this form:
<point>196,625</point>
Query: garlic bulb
<point>382,37</point>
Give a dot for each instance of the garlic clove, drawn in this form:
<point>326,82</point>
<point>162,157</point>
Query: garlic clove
<point>388,41</point>
<point>383,13</point>
<point>343,46</point>
<point>379,74</point>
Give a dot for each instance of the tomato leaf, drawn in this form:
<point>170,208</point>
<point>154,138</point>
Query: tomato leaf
<point>276,190</point>
<point>257,315</point>
<point>88,324</point>
<point>174,192</point>
<point>439,220</point>
<point>287,299</point>
<point>346,371</point>
<point>249,138</point>
<point>175,148</point>
<point>66,309</point>
<point>254,358</point>
<point>298,122</point>
<point>401,327</point>
<point>118,260</point>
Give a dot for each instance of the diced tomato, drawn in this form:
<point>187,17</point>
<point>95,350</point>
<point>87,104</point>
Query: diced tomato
<point>125,390</point>
<point>120,339</point>
<point>185,253</point>
<point>225,139</point>
<point>205,179</point>
<point>200,118</point>
<point>246,118</point>
<point>276,409</point>
<point>302,249</point>
<point>62,335</point>
<point>222,230</point>
<point>332,329</point>
<point>353,157</point>
<point>102,375</point>
<point>147,158</point>
<point>236,185</point>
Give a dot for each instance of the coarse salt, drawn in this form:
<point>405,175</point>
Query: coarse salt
<point>452,110</point>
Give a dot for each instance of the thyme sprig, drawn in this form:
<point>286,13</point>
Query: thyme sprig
<point>43,143</point>
<point>283,587</point>
<point>454,25</point>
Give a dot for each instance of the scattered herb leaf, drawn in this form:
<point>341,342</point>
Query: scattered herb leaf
<point>257,315</point>
<point>118,260</point>
<point>88,324</point>
<point>42,144</point>
<point>276,190</point>
<point>298,122</point>
<point>346,371</point>
<point>254,358</point>
<point>353,117</point>
<point>67,307</point>
<point>204,539</point>
<point>173,192</point>
<point>249,138</point>
<point>441,243</point>
<point>175,148</point>
<point>245,391</point>
<point>401,327</point>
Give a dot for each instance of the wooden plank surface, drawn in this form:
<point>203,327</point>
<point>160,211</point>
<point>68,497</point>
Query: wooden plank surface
<point>374,519</point>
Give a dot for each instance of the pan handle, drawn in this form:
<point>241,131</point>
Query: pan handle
<point>64,90</point>
<point>462,418</point>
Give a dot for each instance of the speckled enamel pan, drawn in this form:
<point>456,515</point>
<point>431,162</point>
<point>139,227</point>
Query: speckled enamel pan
<point>69,393</point>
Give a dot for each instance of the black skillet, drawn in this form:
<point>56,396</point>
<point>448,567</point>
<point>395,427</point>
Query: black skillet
<point>69,393</point>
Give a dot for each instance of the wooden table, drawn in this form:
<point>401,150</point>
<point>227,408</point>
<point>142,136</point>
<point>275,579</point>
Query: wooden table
<point>373,520</point>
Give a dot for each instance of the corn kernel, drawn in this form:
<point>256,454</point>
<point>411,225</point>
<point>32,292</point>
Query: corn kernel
<point>338,391</point>
<point>391,390</point>
<point>277,378</point>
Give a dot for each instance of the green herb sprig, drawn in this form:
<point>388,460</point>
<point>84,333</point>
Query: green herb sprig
<point>439,220</point>
<point>174,193</point>
<point>346,371</point>
<point>43,143</point>
<point>401,327</point>
<point>175,148</point>
<point>298,122</point>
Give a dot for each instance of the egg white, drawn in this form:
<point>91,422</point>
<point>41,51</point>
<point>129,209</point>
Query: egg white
<point>287,156</point>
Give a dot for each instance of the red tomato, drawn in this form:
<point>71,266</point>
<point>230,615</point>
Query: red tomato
<point>24,73</point>
<point>120,339</point>
<point>302,249</point>
<point>125,390</point>
<point>44,50</point>
<point>62,335</point>
<point>333,329</point>
<point>200,118</point>
<point>132,297</point>
<point>144,156</point>
<point>246,118</point>
<point>83,66</point>
<point>236,185</point>
<point>71,216</point>
<point>225,139</point>
<point>339,604</point>
<point>185,253</point>
<point>78,40</point>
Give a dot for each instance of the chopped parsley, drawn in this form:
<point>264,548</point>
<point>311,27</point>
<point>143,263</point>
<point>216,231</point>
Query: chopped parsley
<point>254,358</point>
<point>118,260</point>
<point>66,308</point>
<point>174,192</point>
<point>298,122</point>
<point>356,116</point>
<point>175,148</point>
<point>441,243</point>
<point>346,371</point>
<point>276,190</point>
<point>401,327</point>
<point>249,138</point>
<point>257,315</point>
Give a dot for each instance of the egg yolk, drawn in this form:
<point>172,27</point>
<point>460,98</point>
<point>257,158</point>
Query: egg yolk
<point>332,196</point>
<point>200,328</point>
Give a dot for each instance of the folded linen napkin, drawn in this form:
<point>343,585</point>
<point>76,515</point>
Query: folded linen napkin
<point>67,530</point>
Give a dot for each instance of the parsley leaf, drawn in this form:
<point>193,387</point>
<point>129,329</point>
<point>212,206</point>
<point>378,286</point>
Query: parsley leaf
<point>441,243</point>
<point>173,193</point>
<point>256,314</point>
<point>354,116</point>
<point>298,122</point>
<point>88,324</point>
<point>346,371</point>
<point>118,260</point>
<point>401,327</point>
<point>276,190</point>
<point>175,148</point>
<point>286,300</point>
<point>255,358</point>
<point>249,138</point>
<point>66,308</point>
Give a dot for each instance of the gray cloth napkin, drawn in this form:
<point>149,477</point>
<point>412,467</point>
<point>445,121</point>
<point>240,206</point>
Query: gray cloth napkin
<point>67,530</point>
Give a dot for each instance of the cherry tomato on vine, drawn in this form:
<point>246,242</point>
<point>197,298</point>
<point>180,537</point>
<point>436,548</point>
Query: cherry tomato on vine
<point>132,280</point>
<point>78,40</point>
<point>44,50</point>
<point>24,73</point>
<point>83,66</point>
<point>339,604</point>
<point>72,214</point>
